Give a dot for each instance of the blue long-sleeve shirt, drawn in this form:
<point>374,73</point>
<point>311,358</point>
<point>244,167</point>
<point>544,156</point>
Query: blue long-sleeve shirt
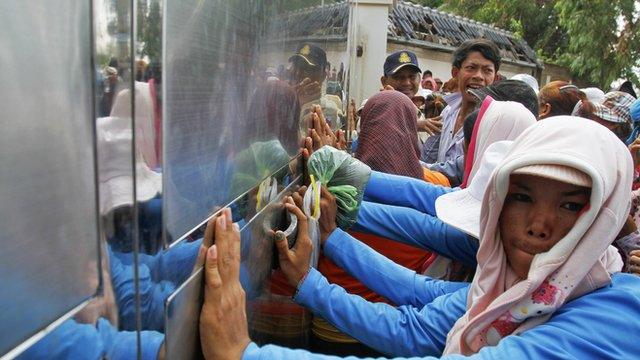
<point>416,228</point>
<point>404,191</point>
<point>411,330</point>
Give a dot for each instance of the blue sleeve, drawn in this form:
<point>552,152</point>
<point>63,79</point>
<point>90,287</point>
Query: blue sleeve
<point>398,331</point>
<point>403,191</point>
<point>152,296</point>
<point>415,228</point>
<point>70,340</point>
<point>385,277</point>
<point>123,344</point>
<point>453,169</point>
<point>599,325</point>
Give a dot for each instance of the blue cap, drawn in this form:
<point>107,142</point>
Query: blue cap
<point>398,60</point>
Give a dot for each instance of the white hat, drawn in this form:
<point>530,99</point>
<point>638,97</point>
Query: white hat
<point>594,94</point>
<point>561,173</point>
<point>114,166</point>
<point>529,80</point>
<point>461,209</point>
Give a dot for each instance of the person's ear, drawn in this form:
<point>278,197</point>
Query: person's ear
<point>383,80</point>
<point>455,71</point>
<point>545,110</point>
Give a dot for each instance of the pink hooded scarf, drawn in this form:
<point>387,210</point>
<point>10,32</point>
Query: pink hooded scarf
<point>500,304</point>
<point>497,121</point>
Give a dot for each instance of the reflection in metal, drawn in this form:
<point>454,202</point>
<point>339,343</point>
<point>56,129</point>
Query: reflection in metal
<point>214,149</point>
<point>47,194</point>
<point>183,306</point>
<point>182,319</point>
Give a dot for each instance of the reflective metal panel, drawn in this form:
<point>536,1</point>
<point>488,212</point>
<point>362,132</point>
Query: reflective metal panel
<point>48,217</point>
<point>183,306</point>
<point>239,79</point>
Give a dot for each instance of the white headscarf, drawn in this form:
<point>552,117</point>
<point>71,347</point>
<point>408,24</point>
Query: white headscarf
<point>579,263</point>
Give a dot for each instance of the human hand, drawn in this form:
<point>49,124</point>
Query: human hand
<point>328,213</point>
<point>319,130</point>
<point>294,262</point>
<point>223,318</point>
<point>431,126</point>
<point>634,262</point>
<point>634,148</point>
<point>307,90</point>
<point>341,140</point>
<point>387,87</point>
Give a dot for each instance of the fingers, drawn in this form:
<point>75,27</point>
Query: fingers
<point>284,253</point>
<point>317,141</point>
<point>302,218</point>
<point>325,193</point>
<point>213,280</point>
<point>227,239</point>
<point>297,199</point>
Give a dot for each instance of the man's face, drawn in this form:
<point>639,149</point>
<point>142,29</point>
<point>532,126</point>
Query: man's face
<point>475,72</point>
<point>300,71</point>
<point>537,213</point>
<point>405,80</point>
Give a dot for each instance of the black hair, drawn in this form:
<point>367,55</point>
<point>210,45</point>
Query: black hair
<point>469,123</point>
<point>515,90</point>
<point>427,72</point>
<point>488,49</point>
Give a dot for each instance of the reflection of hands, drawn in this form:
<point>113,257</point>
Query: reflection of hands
<point>223,319</point>
<point>351,116</point>
<point>634,262</point>
<point>387,87</point>
<point>328,213</point>
<point>307,90</point>
<point>634,148</point>
<point>320,133</point>
<point>294,262</point>
<point>431,126</point>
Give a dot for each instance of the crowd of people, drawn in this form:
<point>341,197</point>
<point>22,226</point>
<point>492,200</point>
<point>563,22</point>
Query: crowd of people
<point>499,219</point>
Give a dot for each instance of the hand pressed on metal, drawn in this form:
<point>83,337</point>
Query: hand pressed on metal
<point>223,319</point>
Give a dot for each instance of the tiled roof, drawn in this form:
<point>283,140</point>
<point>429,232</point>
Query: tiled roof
<point>427,27</point>
<point>409,23</point>
<point>329,21</point>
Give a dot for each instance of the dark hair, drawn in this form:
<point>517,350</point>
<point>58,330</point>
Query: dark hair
<point>469,123</point>
<point>515,90</point>
<point>562,96</point>
<point>427,72</point>
<point>488,49</point>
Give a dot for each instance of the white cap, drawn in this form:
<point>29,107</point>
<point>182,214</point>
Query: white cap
<point>561,173</point>
<point>529,80</point>
<point>461,209</point>
<point>594,94</point>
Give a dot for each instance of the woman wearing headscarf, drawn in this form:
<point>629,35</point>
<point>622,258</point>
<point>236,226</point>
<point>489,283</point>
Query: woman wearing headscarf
<point>545,269</point>
<point>388,143</point>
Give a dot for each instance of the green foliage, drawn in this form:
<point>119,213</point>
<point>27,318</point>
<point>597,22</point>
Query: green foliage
<point>150,29</point>
<point>580,34</point>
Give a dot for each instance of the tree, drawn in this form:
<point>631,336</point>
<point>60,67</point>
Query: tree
<point>152,32</point>
<point>580,34</point>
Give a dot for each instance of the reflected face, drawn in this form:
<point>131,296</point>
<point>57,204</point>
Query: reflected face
<point>300,71</point>
<point>475,72</point>
<point>405,80</point>
<point>537,213</point>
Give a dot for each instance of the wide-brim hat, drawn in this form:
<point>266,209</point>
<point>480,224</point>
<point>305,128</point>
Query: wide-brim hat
<point>461,209</point>
<point>114,166</point>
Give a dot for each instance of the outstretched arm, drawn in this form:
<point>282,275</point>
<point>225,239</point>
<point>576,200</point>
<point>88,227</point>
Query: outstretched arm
<point>403,191</point>
<point>415,228</point>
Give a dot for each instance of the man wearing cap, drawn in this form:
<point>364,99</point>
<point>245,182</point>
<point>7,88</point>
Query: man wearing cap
<point>307,72</point>
<point>402,73</point>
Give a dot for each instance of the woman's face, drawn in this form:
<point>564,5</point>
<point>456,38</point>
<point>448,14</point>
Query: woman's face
<point>537,213</point>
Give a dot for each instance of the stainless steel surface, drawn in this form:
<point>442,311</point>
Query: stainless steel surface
<point>225,126</point>
<point>183,306</point>
<point>48,217</point>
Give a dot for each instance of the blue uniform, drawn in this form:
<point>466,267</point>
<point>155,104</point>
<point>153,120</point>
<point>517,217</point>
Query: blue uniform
<point>594,326</point>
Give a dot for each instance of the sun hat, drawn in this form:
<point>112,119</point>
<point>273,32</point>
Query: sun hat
<point>114,166</point>
<point>461,209</point>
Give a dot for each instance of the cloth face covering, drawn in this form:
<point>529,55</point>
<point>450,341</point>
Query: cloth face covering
<point>579,263</point>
